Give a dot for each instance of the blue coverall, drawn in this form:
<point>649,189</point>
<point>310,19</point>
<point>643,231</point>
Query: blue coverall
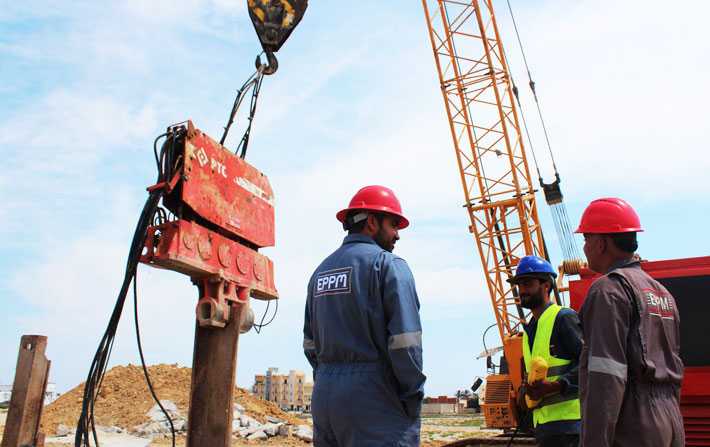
<point>362,335</point>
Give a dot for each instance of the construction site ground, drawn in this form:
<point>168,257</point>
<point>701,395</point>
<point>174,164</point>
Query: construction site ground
<point>124,401</point>
<point>436,430</point>
<point>111,440</point>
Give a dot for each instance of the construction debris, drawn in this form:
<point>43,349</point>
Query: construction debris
<point>124,405</point>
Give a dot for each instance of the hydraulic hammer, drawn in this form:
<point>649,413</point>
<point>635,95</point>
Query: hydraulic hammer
<point>221,211</point>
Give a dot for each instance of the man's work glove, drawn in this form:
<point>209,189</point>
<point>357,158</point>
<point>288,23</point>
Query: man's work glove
<point>541,388</point>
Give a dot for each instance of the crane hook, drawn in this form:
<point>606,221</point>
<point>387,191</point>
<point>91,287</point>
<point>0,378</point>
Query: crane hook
<point>273,63</point>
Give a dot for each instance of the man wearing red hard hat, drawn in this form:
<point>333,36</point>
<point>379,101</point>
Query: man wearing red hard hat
<point>630,368</point>
<point>362,333</point>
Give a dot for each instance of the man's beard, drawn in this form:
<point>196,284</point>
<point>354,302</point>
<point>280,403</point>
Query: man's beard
<point>383,241</point>
<point>531,301</point>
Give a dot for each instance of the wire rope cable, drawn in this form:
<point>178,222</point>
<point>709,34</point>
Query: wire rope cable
<point>237,103</point>
<point>254,83</point>
<point>561,219</point>
<point>531,83</point>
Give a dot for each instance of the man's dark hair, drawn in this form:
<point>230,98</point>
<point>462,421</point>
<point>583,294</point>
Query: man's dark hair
<point>357,227</point>
<point>551,280</point>
<point>548,279</point>
<point>625,242</point>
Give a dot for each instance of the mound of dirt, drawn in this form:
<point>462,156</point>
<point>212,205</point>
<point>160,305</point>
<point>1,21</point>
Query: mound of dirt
<point>124,399</point>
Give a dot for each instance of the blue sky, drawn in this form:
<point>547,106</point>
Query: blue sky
<point>86,86</point>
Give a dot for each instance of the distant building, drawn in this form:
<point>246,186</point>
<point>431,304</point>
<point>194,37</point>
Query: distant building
<point>307,393</point>
<point>289,391</point>
<point>259,388</point>
<point>5,393</point>
<point>50,394</point>
<point>443,405</point>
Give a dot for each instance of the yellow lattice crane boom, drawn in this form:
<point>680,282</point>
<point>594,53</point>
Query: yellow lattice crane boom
<point>498,189</point>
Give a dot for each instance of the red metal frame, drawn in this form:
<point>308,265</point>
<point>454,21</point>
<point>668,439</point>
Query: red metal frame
<point>695,390</point>
<point>226,190</point>
<point>225,212</point>
<point>189,248</point>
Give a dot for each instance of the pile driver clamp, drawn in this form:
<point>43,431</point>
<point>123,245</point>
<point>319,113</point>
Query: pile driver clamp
<point>224,210</point>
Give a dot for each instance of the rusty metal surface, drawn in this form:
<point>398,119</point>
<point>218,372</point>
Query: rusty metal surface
<point>28,389</point>
<point>189,248</point>
<point>214,367</point>
<point>226,190</point>
<point>224,210</point>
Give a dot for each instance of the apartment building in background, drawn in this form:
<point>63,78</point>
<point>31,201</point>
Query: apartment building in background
<point>290,391</point>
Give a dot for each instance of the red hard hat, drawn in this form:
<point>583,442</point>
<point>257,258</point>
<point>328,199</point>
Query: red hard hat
<point>609,215</point>
<point>375,198</point>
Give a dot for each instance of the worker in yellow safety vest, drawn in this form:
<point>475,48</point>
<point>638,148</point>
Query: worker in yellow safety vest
<point>552,340</point>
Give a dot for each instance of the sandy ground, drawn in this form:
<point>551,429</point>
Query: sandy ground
<point>105,439</point>
<point>108,439</point>
<point>3,418</point>
<point>123,440</point>
<point>124,399</point>
<point>240,442</point>
<point>436,432</point>
<point>439,430</point>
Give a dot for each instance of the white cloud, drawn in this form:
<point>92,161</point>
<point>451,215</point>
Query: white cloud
<point>620,93</point>
<point>78,127</point>
<point>56,154</point>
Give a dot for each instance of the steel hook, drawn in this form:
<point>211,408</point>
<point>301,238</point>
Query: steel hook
<point>272,66</point>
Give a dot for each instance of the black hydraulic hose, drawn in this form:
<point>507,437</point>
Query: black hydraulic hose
<point>86,426</point>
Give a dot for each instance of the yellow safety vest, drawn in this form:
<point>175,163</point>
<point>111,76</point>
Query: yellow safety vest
<point>555,407</point>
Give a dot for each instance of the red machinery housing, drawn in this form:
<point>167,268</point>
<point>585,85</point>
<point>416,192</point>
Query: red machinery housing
<point>688,280</point>
<point>224,212</point>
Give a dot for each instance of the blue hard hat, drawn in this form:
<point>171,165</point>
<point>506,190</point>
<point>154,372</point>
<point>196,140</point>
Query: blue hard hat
<point>535,267</point>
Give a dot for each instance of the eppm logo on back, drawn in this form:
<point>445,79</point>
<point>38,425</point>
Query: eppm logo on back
<point>659,305</point>
<point>333,282</point>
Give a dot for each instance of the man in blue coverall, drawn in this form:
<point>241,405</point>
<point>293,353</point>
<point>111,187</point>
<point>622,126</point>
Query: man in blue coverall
<point>362,332</point>
<point>555,335</point>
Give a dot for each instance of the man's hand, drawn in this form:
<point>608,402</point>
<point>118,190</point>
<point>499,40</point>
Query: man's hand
<point>541,388</point>
<point>520,398</point>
